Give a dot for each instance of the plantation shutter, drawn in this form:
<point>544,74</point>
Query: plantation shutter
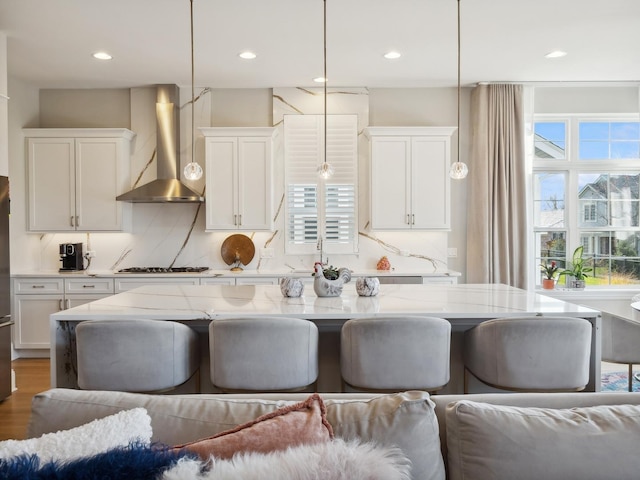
<point>314,206</point>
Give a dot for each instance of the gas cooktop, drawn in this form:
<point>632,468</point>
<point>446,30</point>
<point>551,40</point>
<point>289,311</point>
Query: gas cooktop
<point>164,270</point>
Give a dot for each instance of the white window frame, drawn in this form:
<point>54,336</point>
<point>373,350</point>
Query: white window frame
<point>572,167</point>
<point>336,197</point>
<point>590,212</point>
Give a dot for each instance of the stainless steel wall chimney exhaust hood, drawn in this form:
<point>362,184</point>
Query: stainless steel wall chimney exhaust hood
<point>167,188</point>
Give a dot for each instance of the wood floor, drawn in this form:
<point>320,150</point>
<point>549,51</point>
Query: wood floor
<point>32,376</point>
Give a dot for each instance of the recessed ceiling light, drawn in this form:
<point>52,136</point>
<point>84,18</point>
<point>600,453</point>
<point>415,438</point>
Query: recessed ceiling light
<point>392,55</point>
<point>556,54</point>
<point>102,56</point>
<point>247,55</point>
<point>320,80</point>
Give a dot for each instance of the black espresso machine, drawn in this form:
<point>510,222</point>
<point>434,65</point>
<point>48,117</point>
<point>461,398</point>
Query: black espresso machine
<point>71,257</point>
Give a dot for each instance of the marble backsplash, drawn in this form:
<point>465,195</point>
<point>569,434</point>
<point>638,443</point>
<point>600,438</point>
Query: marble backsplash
<point>173,234</point>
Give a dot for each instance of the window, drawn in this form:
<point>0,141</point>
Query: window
<point>586,191</point>
<point>590,212</point>
<point>314,207</point>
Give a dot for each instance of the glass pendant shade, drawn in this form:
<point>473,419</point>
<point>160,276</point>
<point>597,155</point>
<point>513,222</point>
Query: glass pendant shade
<point>325,171</point>
<point>458,170</point>
<point>193,171</point>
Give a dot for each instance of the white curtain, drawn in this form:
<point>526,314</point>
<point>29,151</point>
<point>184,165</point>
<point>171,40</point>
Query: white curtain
<point>497,198</point>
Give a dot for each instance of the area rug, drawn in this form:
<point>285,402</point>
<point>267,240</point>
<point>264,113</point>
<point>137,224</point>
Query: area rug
<point>617,382</point>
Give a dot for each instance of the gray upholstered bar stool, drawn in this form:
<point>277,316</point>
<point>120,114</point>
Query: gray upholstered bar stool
<point>529,353</point>
<point>265,354</point>
<point>136,355</point>
<point>621,341</point>
<point>395,353</point>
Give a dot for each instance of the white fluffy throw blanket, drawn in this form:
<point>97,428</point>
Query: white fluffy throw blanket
<point>335,460</point>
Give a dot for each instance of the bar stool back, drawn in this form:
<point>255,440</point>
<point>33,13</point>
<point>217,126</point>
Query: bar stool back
<point>395,353</point>
<point>135,355</point>
<point>529,353</point>
<point>263,354</point>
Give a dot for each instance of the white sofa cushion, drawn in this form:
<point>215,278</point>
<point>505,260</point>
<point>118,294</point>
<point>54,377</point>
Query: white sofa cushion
<point>504,442</point>
<point>117,430</point>
<point>406,419</point>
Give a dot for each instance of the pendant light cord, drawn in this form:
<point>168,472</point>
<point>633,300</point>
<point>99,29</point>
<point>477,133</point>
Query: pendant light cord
<point>193,100</point>
<point>458,2</point>
<point>324,37</point>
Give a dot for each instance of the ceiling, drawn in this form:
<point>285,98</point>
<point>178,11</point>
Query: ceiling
<point>50,42</point>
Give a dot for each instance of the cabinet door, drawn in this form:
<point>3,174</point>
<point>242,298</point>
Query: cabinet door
<point>51,185</point>
<point>97,174</point>
<point>221,178</point>
<point>430,183</point>
<point>31,316</point>
<point>254,184</point>
<point>390,188</point>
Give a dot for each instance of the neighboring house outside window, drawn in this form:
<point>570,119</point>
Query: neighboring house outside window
<point>586,191</point>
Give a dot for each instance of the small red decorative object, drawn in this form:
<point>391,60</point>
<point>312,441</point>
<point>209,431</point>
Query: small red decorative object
<point>383,264</point>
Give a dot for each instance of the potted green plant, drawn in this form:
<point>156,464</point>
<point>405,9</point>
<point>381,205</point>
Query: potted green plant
<point>578,272</point>
<point>550,271</point>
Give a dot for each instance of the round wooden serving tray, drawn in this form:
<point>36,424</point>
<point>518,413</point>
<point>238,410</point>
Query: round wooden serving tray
<point>237,249</point>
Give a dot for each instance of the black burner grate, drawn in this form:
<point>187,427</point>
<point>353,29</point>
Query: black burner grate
<point>164,270</point>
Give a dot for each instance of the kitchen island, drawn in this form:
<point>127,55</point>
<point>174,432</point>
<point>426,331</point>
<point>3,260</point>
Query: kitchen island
<point>463,305</point>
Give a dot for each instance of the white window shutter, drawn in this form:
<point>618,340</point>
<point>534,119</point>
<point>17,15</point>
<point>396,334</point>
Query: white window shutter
<point>321,207</point>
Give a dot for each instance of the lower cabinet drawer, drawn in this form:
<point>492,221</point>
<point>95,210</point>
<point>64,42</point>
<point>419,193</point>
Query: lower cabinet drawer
<point>38,285</point>
<point>89,285</point>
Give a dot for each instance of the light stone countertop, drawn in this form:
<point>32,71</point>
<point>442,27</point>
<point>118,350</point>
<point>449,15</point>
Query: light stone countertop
<point>203,302</point>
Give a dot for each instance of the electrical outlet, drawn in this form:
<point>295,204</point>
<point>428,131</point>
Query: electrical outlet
<point>452,252</point>
<point>266,253</point>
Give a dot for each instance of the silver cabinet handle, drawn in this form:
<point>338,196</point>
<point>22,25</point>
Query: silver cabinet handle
<point>77,221</point>
<point>235,219</point>
<point>37,286</point>
<point>413,219</point>
<point>240,217</point>
<point>408,221</point>
<point>72,221</point>
<point>88,286</point>
<point>67,303</point>
<point>60,307</point>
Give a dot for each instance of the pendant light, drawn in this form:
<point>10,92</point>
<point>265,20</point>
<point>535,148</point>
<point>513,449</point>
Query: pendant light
<point>458,169</point>
<point>325,170</point>
<point>193,170</point>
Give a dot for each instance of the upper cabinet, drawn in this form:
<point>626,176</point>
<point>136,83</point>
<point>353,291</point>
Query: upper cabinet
<point>74,176</point>
<point>239,175</point>
<point>410,183</point>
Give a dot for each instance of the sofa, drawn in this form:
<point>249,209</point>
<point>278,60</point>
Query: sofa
<point>484,436</point>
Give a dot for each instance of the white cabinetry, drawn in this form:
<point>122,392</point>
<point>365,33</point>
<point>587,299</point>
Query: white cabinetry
<point>74,176</point>
<point>123,284</point>
<point>409,177</point>
<point>239,171</point>
<point>36,298</point>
